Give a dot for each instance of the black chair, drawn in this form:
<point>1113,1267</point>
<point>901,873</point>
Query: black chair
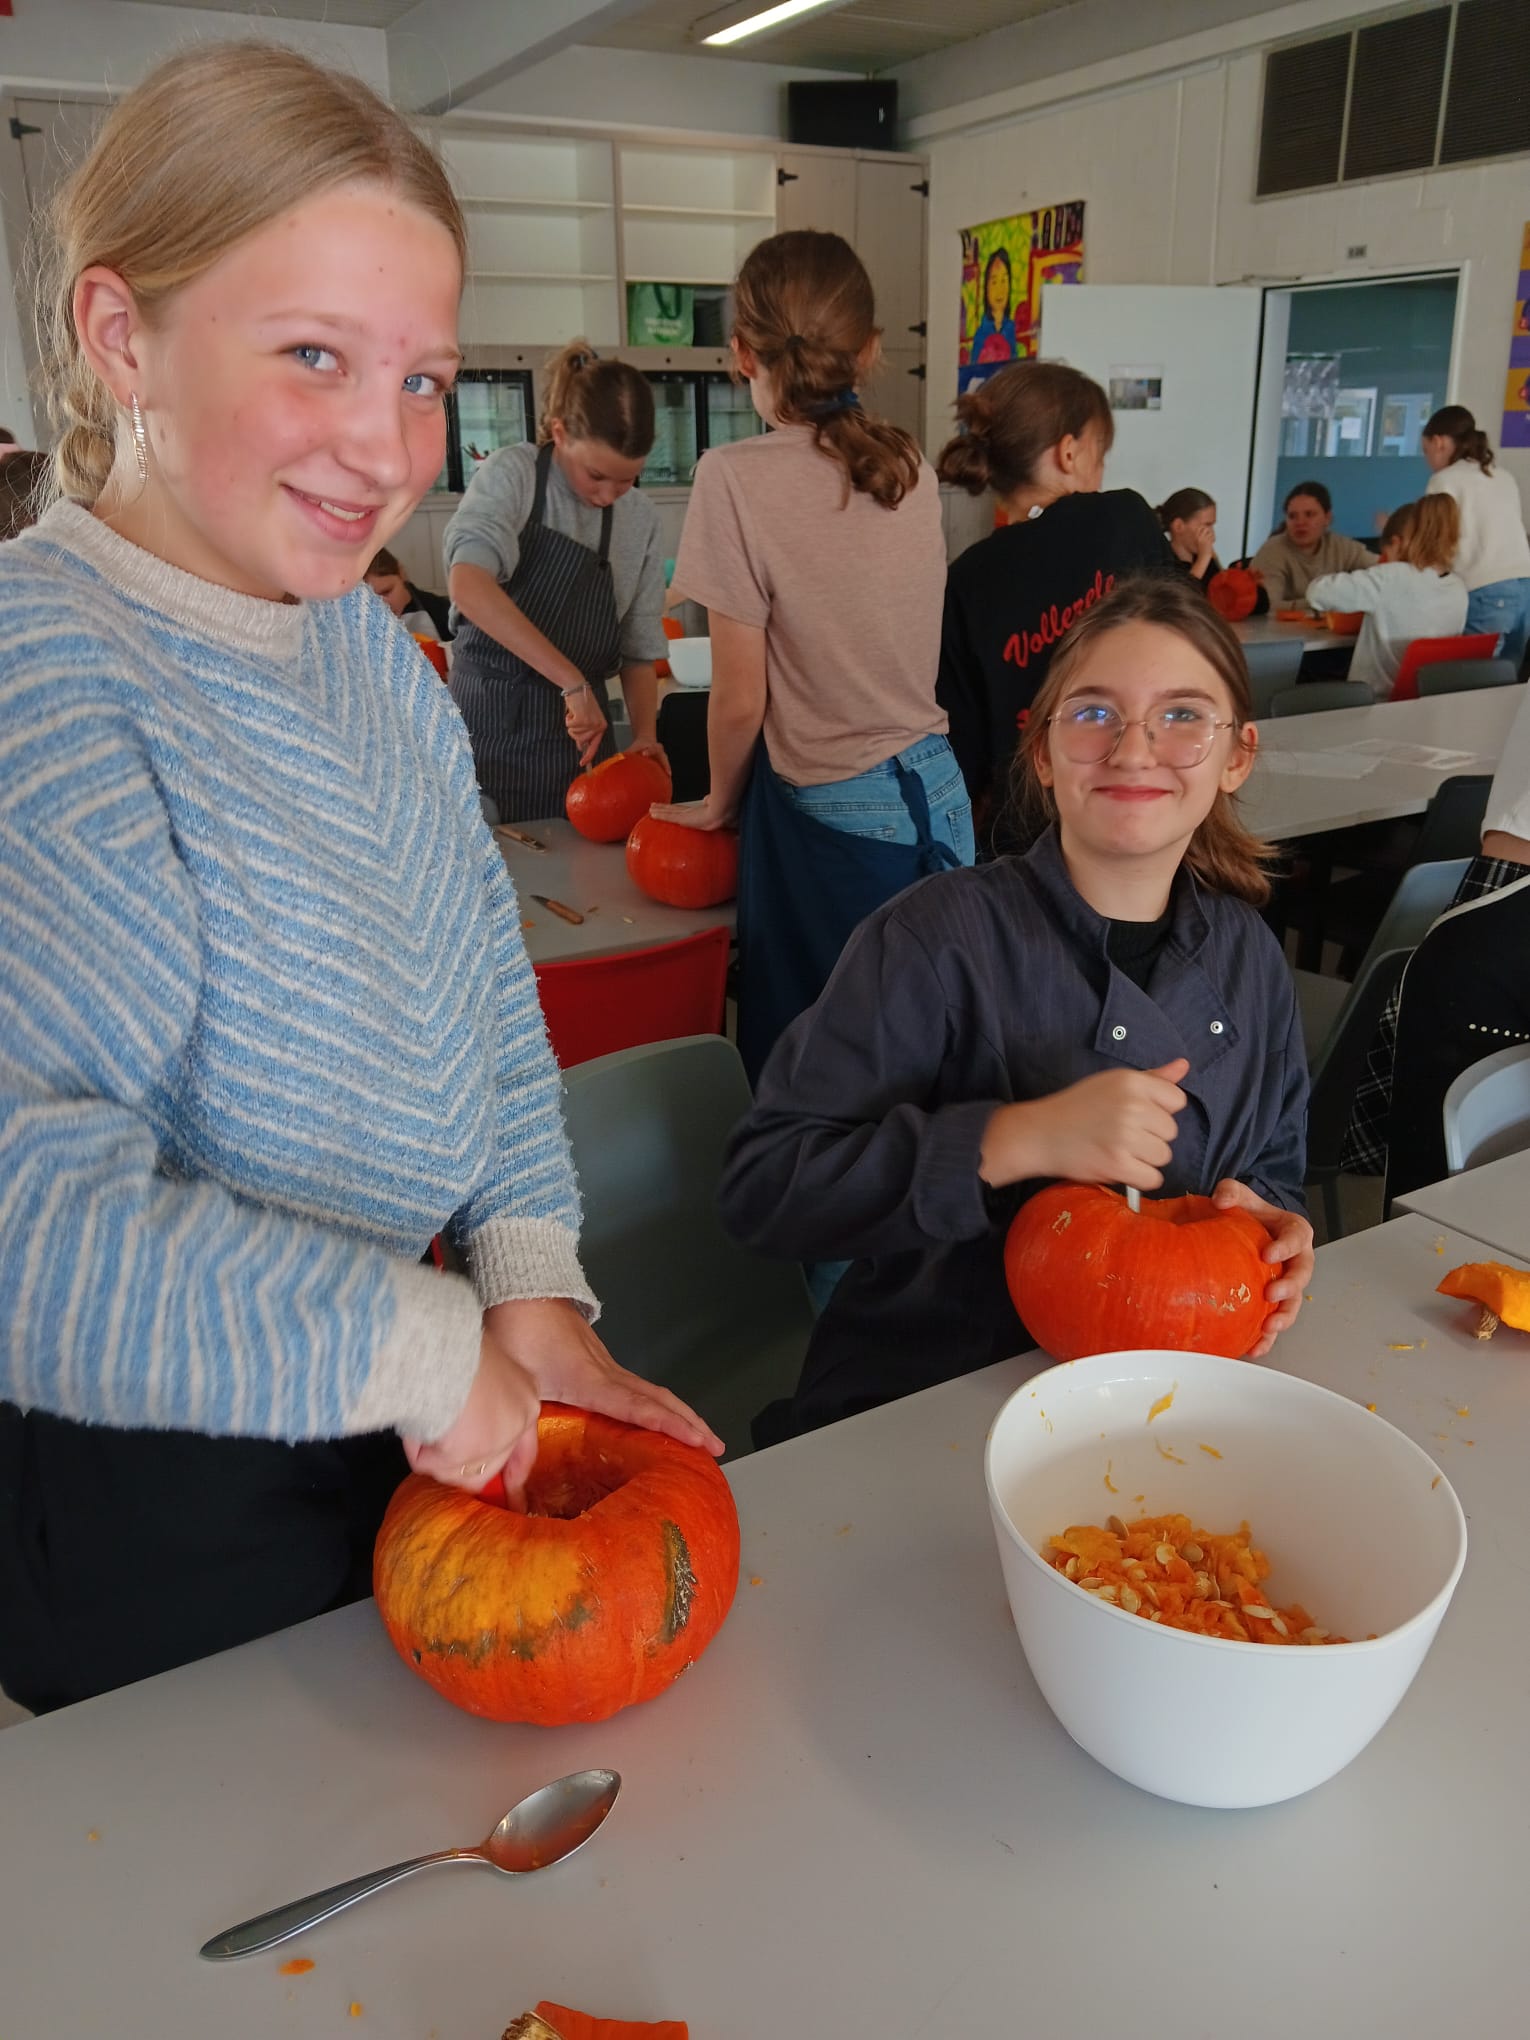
<point>1316,695</point>
<point>1352,908</point>
<point>682,730</point>
<point>1463,676</point>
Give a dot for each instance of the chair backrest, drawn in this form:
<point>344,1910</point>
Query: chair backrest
<point>681,1303</point>
<point>594,1005</point>
<point>1340,1062</point>
<point>1452,824</point>
<point>1423,893</point>
<point>1321,694</point>
<point>1272,665</point>
<point>1464,676</point>
<point>1434,651</point>
<point>1487,1109</point>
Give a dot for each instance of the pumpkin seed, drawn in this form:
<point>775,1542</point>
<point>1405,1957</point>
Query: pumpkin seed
<point>1314,1635</point>
<point>1260,1614</point>
<point>1192,1554</point>
<point>1115,1525</point>
<point>1165,1553</point>
<point>1131,1600</point>
<point>1071,1569</point>
<point>1111,1593</point>
<point>1279,1626</point>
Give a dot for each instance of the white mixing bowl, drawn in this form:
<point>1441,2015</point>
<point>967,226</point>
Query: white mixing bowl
<point>1359,1526</point>
<point>690,661</point>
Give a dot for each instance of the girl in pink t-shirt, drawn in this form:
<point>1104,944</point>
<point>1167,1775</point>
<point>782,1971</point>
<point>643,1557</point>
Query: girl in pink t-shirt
<point>818,552</point>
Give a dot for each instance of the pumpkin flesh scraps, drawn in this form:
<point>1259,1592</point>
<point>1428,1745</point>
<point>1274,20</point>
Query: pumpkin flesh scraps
<point>610,1585</point>
<point>1164,1570</point>
<point>1501,1290</point>
<point>1089,1275</point>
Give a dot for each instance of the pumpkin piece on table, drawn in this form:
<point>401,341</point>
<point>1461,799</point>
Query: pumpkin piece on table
<point>604,803</point>
<point>612,1583</point>
<point>1503,1292</point>
<point>683,867</point>
<point>560,2022</point>
<point>1089,1275</point>
<point>1233,593</point>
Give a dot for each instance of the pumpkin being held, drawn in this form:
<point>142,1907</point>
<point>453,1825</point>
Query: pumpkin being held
<point>1089,1275</point>
<point>683,867</point>
<point>1233,593</point>
<point>614,1582</point>
<point>604,803</point>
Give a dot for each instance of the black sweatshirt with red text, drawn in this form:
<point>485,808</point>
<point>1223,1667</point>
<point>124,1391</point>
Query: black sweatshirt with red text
<point>1009,600</point>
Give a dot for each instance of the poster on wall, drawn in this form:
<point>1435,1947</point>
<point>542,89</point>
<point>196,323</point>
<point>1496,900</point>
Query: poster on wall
<point>1516,400</point>
<point>1005,264</point>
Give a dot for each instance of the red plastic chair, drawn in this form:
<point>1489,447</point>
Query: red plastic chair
<point>1433,651</point>
<point>596,1005</point>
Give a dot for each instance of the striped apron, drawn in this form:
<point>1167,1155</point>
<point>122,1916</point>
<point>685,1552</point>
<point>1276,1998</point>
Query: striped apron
<point>522,751</point>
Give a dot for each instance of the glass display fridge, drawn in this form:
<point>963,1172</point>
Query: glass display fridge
<point>693,410</point>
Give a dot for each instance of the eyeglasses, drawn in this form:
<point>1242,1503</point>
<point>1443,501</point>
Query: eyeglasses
<point>1180,736</point>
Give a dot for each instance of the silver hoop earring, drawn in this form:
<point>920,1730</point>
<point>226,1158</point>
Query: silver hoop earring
<point>140,438</point>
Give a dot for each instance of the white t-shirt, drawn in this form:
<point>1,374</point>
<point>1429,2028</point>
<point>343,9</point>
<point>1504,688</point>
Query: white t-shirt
<point>1493,543</point>
<point>1401,603</point>
<point>1508,806</point>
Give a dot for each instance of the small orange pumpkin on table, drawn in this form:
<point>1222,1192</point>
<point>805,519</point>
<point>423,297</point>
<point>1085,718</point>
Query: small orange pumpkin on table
<point>612,1583</point>
<point>1087,1274</point>
<point>604,803</point>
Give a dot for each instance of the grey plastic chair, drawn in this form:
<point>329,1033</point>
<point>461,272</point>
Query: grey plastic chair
<point>1423,893</point>
<point>1317,695</point>
<point>1272,667</point>
<point>681,1303</point>
<point>1464,676</point>
<point>1487,1109</point>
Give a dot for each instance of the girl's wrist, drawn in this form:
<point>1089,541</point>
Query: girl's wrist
<point>1008,1151</point>
<point>579,687</point>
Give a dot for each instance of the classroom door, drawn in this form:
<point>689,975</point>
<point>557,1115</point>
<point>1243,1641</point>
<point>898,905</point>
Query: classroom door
<point>1181,365</point>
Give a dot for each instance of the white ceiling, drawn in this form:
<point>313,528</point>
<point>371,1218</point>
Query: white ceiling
<point>342,13</point>
<point>867,35</point>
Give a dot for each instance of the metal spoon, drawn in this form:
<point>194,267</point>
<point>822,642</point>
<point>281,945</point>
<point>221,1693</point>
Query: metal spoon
<point>546,1826</point>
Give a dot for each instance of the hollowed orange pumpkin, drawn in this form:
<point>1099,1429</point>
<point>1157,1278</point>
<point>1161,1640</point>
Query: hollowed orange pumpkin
<point>605,803</point>
<point>683,867</point>
<point>1089,1275</point>
<point>614,1582</point>
<point>1233,593</point>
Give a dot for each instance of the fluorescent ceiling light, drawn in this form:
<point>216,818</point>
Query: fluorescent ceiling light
<point>759,19</point>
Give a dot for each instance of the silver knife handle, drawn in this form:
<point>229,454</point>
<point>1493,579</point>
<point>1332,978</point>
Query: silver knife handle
<point>265,1931</point>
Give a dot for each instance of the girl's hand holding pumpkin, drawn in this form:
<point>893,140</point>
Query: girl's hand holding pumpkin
<point>1116,1127</point>
<point>710,813</point>
<point>551,1340</point>
<point>495,1431</point>
<point>1290,1246</point>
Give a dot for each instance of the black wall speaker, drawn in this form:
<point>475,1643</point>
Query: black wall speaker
<point>858,113</point>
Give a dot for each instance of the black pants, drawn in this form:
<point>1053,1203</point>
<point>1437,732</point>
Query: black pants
<point>123,1553</point>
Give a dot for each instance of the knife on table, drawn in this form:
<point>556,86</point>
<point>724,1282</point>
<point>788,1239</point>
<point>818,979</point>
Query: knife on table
<point>570,914</point>
<point>519,836</point>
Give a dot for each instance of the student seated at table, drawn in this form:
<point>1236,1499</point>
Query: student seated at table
<point>1411,594</point>
<point>1305,547</point>
<point>1189,520</point>
<point>420,611</point>
<point>1109,1008</point>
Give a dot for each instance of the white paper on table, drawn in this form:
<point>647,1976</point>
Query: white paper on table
<point>1377,748</point>
<point>1315,764</point>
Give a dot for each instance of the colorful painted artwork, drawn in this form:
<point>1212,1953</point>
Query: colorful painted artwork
<point>1005,264</point>
<point>1516,397</point>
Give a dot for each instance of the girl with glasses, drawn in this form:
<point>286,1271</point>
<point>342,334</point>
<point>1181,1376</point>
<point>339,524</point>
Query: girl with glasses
<point>1108,1008</point>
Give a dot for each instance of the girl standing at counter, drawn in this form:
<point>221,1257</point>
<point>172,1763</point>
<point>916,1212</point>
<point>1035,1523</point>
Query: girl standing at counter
<point>1494,554</point>
<point>556,576</point>
<point>817,550</point>
<point>255,1048</point>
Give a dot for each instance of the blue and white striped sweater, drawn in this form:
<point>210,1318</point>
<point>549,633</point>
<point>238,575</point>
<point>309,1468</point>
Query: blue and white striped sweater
<point>266,1019</point>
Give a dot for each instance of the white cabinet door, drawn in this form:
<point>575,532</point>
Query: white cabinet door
<point>896,391</point>
<point>817,192</point>
<point>1184,360</point>
<point>890,225</point>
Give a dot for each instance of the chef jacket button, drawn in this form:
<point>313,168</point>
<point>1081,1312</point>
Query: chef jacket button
<point>1216,1027</point>
<point>1118,1034</point>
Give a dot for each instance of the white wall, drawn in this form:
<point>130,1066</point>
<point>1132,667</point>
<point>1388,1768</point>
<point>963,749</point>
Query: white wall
<point>1166,171</point>
<point>639,88</point>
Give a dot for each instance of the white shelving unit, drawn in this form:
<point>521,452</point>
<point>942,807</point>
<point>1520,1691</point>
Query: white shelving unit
<point>542,262</point>
<point>668,236</point>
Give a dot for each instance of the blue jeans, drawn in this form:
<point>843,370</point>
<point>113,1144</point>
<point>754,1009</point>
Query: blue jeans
<point>1502,606</point>
<point>871,805</point>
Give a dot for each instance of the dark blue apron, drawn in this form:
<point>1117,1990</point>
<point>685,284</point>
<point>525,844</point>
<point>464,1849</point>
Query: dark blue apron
<point>522,751</point>
<point>803,889</point>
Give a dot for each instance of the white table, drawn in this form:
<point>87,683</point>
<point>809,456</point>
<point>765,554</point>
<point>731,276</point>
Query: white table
<point>1490,1204</point>
<point>1309,633</point>
<point>1284,804</point>
<point>855,1817</point>
<point>591,878</point>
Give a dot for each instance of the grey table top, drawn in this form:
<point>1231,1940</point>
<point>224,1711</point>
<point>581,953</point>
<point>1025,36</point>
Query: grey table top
<point>1490,1204</point>
<point>856,1816</point>
<point>592,879</point>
